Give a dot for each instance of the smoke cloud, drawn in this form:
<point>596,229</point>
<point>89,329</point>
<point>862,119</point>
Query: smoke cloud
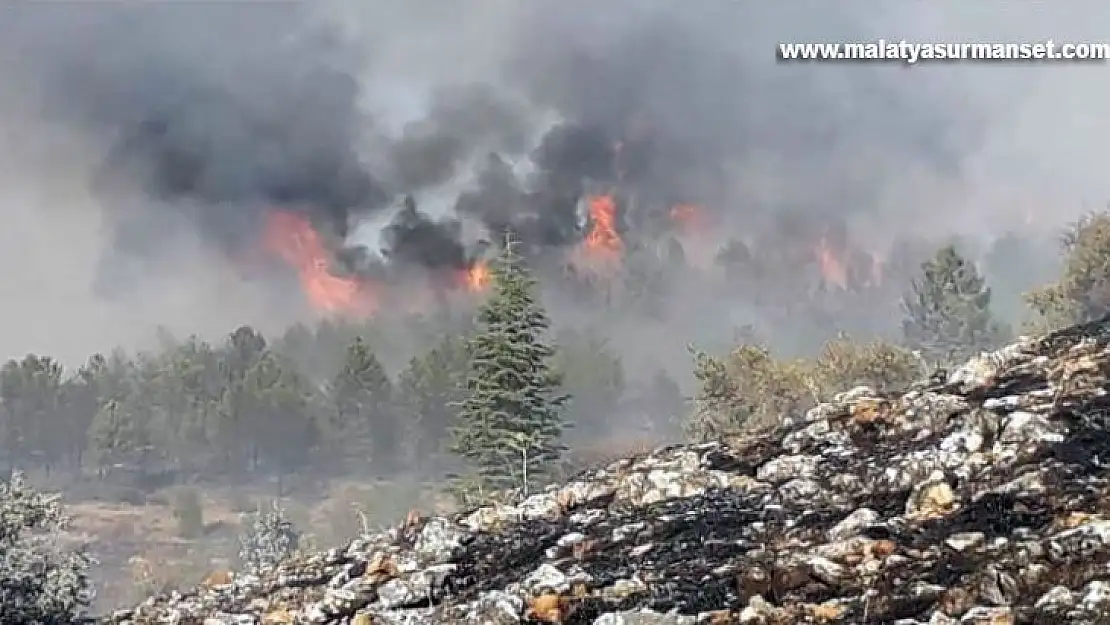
<point>146,143</point>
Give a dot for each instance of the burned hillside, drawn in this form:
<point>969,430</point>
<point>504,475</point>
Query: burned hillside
<point>977,496</point>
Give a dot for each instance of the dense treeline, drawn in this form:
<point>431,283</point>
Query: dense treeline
<point>323,399</point>
<point>314,399</point>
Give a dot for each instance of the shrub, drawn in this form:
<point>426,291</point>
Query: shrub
<point>844,364</point>
<point>1083,291</point>
<point>747,390</point>
<point>188,511</point>
<point>39,582</point>
<point>751,390</point>
<point>268,539</point>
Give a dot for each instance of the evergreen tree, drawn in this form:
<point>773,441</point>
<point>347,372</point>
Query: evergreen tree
<point>118,436</point>
<point>277,409</point>
<point>510,421</point>
<point>430,389</point>
<point>362,397</point>
<point>231,431</point>
<point>31,395</point>
<point>947,310</point>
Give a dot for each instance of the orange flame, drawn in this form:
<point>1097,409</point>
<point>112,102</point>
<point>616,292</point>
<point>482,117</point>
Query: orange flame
<point>832,269</point>
<point>477,277</point>
<point>293,239</point>
<point>602,241</point>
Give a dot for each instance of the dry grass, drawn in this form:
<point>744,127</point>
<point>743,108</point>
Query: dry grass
<point>139,548</point>
<point>141,551</point>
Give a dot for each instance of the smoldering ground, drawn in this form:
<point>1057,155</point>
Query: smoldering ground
<point>145,142</point>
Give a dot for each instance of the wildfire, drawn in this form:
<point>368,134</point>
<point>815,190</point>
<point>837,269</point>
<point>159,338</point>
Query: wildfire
<point>477,277</point>
<point>292,238</point>
<point>832,269</point>
<point>602,241</point>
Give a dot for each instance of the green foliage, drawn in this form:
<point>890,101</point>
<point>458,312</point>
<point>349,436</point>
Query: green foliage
<point>31,391</point>
<point>844,364</point>
<point>362,397</point>
<point>118,436</point>
<point>947,310</point>
<point>509,422</point>
<point>39,581</point>
<point>1082,292</point>
<point>750,389</point>
<point>237,408</point>
<point>277,406</point>
<point>269,539</point>
<point>188,513</point>
<point>430,389</point>
<point>245,346</point>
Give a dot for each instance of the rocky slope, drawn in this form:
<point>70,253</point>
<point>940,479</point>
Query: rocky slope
<point>982,498</point>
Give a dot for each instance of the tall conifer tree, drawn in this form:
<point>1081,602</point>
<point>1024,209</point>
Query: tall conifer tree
<point>510,422</point>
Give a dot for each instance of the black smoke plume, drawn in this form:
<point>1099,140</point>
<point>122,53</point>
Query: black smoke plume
<point>222,112</point>
<point>227,109</point>
<point>413,238</point>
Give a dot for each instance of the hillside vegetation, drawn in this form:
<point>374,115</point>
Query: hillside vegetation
<point>485,413</point>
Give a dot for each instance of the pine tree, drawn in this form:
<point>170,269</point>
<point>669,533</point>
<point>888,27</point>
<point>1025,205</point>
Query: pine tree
<point>510,421</point>
<point>429,391</point>
<point>948,316</point>
<point>277,409</point>
<point>118,435</point>
<point>362,396</point>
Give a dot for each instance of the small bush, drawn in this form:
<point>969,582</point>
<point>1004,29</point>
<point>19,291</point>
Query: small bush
<point>747,390</point>
<point>844,364</point>
<point>751,390</point>
<point>268,539</point>
<point>188,511</point>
